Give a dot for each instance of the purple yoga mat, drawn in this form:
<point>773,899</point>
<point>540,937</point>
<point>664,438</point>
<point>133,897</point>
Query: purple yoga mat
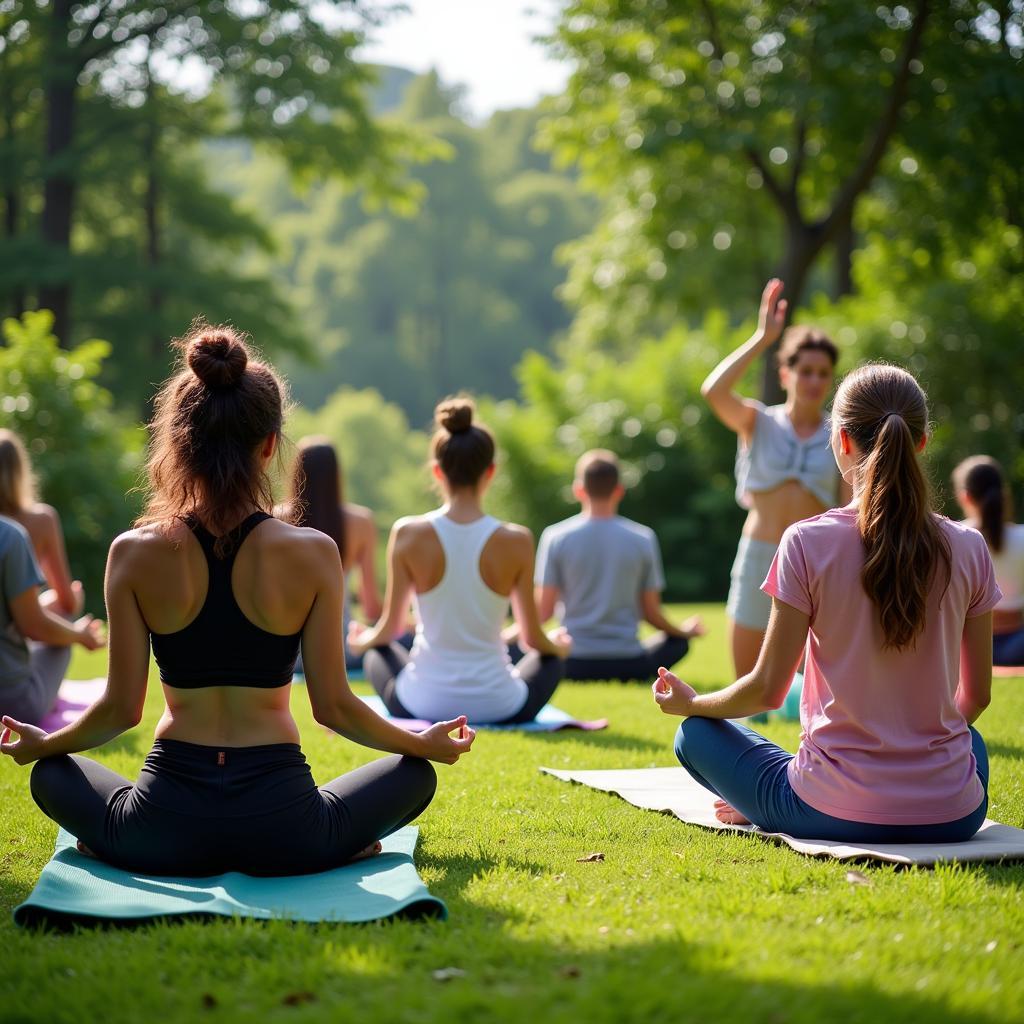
<point>549,719</point>
<point>74,696</point>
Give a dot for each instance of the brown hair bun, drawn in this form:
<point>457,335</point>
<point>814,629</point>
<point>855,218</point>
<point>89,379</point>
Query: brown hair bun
<point>454,415</point>
<point>217,357</point>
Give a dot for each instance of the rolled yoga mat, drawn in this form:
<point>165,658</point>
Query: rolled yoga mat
<point>78,890</point>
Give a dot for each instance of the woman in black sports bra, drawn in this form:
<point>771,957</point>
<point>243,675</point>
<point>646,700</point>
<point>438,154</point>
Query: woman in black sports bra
<point>224,593</point>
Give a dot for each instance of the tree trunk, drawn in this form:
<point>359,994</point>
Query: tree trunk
<point>151,211</point>
<point>843,248</point>
<point>59,181</point>
<point>803,243</point>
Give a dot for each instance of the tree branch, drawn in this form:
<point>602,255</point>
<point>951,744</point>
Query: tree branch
<point>779,194</point>
<point>861,177</point>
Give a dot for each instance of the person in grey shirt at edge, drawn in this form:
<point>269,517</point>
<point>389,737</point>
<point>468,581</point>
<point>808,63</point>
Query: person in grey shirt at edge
<point>31,672</point>
<point>605,571</point>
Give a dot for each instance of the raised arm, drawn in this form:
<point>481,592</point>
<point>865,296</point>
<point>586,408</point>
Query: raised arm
<point>334,704</point>
<point>719,388</point>
<point>975,690</point>
<point>762,689</point>
<point>524,607</point>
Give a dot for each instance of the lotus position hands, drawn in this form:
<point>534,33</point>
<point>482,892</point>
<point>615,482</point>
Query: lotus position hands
<point>693,626</point>
<point>672,695</point>
<point>29,746</point>
<point>91,634</point>
<point>440,745</point>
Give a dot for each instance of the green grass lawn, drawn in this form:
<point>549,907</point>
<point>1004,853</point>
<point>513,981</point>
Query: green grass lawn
<point>676,924</point>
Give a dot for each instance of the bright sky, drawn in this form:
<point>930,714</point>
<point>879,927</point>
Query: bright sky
<point>485,45</point>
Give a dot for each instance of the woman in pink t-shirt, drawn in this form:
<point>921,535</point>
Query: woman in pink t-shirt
<point>892,605</point>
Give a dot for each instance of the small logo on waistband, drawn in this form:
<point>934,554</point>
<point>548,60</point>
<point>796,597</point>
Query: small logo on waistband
<point>220,758</point>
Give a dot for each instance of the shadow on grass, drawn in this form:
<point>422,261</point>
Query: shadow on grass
<point>433,972</point>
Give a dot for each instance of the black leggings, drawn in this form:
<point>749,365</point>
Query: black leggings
<point>659,649</point>
<point>199,810</point>
<point>541,673</point>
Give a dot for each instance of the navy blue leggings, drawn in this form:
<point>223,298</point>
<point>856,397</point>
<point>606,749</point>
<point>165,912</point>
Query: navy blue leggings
<point>750,773</point>
<point>1008,648</point>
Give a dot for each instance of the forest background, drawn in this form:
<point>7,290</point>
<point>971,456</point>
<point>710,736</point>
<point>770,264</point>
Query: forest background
<point>579,266</point>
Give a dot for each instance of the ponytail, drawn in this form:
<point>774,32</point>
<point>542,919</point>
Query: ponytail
<point>982,479</point>
<point>884,411</point>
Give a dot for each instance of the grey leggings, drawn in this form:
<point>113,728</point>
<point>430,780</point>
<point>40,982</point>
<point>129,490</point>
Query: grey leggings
<point>541,673</point>
<point>199,810</point>
<point>31,699</point>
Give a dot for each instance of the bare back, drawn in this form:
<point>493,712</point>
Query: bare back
<point>501,561</point>
<point>274,582</point>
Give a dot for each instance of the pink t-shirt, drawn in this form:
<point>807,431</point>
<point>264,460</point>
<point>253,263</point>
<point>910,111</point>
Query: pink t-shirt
<point>881,738</point>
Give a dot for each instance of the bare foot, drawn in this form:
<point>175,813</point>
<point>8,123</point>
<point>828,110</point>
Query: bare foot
<point>371,851</point>
<point>728,815</point>
<point>84,850</point>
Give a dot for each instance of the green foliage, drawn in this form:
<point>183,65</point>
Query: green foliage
<point>384,463</point>
<point>84,455</point>
<point>647,408</point>
<point>730,140</point>
<point>954,323</point>
<point>422,306</point>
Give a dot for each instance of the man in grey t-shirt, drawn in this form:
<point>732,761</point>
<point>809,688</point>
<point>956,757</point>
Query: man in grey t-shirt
<point>30,675</point>
<point>606,572</point>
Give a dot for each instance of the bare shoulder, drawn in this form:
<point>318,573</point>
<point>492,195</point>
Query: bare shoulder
<point>514,537</point>
<point>301,542</point>
<point>43,513</point>
<point>145,545</point>
<point>357,513</point>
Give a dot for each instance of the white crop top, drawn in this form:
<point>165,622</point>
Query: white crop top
<point>776,454</point>
<point>459,664</point>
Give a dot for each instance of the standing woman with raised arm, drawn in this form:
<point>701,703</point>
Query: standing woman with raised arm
<point>784,469</point>
<point>224,593</point>
<point>461,567</point>
<point>983,496</point>
<point>316,498</point>
<point>892,605</point>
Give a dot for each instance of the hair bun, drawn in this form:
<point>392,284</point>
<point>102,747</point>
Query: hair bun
<point>217,358</point>
<point>454,415</point>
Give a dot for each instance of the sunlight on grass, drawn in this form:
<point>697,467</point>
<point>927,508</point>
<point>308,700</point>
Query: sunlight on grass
<point>674,923</point>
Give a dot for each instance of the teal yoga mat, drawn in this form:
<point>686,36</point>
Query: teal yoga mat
<point>75,889</point>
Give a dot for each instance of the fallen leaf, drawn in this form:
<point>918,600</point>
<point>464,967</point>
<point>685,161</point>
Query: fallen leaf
<point>447,973</point>
<point>858,878</point>
<point>990,948</point>
<point>569,971</point>
<point>591,858</point>
<point>298,998</point>
<point>208,1001</point>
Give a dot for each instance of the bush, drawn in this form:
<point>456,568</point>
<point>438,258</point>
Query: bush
<point>84,455</point>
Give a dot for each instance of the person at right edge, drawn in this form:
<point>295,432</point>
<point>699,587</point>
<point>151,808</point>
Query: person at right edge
<point>784,468</point>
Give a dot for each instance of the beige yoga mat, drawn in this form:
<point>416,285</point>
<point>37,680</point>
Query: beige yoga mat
<point>673,791</point>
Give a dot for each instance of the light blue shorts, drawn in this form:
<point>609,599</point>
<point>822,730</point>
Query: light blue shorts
<point>748,604</point>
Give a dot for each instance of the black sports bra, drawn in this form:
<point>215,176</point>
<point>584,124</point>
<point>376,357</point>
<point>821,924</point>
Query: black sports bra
<point>220,646</point>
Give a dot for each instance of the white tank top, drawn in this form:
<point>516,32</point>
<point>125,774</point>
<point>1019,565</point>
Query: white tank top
<point>459,664</point>
<point>1009,566</point>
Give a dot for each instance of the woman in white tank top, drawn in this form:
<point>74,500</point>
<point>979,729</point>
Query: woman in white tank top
<point>461,568</point>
